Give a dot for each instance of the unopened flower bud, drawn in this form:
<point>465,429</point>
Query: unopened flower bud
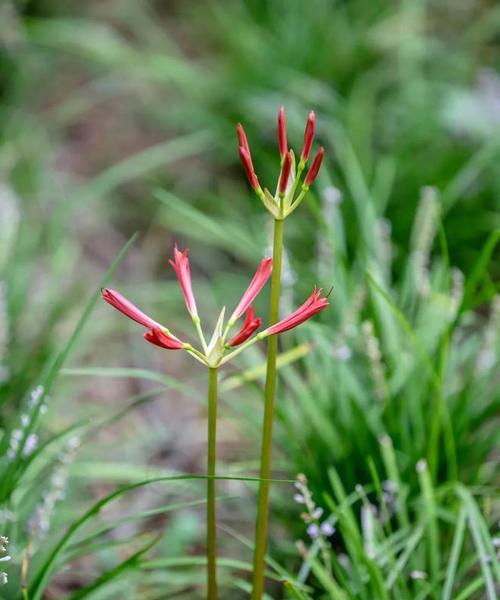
<point>308,137</point>
<point>285,173</point>
<point>242,137</point>
<point>315,167</point>
<point>246,161</point>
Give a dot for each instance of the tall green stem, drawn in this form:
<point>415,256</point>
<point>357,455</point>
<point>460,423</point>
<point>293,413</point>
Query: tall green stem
<point>211,515</point>
<point>267,428</point>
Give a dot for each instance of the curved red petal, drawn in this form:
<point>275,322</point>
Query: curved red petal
<point>160,338</point>
<point>118,301</point>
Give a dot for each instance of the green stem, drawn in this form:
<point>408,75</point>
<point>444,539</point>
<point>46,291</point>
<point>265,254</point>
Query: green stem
<point>211,516</point>
<point>199,331</point>
<point>243,347</point>
<point>267,428</point>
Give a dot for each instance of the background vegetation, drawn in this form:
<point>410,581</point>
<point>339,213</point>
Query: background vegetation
<point>119,117</point>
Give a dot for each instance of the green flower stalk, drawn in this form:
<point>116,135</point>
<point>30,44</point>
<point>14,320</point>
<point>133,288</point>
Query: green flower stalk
<point>282,204</point>
<point>216,353</point>
<point>212,355</point>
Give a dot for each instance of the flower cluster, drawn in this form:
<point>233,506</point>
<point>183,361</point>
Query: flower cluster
<point>21,441</point>
<point>312,516</point>
<point>286,199</point>
<point>3,549</point>
<point>318,530</point>
<point>39,523</point>
<point>213,354</point>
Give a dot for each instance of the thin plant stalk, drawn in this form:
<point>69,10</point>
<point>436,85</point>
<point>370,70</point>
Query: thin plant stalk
<point>211,511</point>
<point>267,428</point>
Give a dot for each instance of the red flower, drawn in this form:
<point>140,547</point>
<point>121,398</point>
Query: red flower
<point>282,141</point>
<point>249,326</point>
<point>127,308</point>
<point>160,337</point>
<point>315,167</point>
<point>308,137</point>
<point>158,334</point>
<point>257,283</point>
<point>314,304</point>
<point>285,173</point>
<point>180,264</point>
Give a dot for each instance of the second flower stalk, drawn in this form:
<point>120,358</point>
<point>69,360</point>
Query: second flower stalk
<point>286,199</point>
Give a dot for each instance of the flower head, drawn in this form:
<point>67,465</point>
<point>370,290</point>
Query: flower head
<point>288,195</point>
<point>212,354</point>
<point>249,326</point>
<point>314,304</point>
<point>259,279</point>
<point>308,137</point>
<point>180,265</point>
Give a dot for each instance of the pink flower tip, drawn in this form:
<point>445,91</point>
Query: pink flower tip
<point>242,137</point>
<point>160,337</point>
<point>249,326</point>
<point>285,173</point>
<point>315,167</point>
<point>180,264</point>
<point>282,141</point>
<point>314,304</point>
<point>308,137</point>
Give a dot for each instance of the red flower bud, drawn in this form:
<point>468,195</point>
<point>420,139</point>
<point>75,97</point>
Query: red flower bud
<point>315,167</point>
<point>285,173</point>
<point>249,326</point>
<point>246,161</point>
<point>282,142</point>
<point>242,137</point>
<point>308,137</point>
